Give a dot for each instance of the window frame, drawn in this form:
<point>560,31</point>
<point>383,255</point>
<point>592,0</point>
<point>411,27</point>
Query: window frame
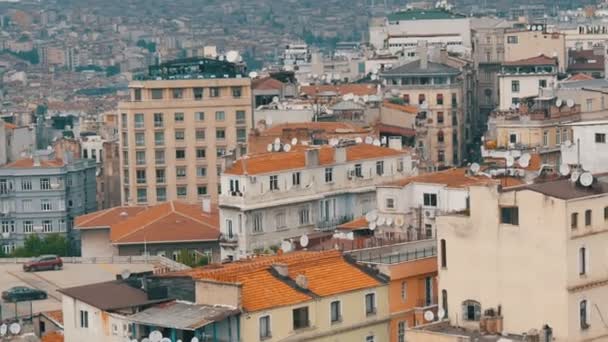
<point>338,317</point>
<point>513,215</point>
<point>373,310</point>
<point>293,318</point>
<point>268,334</point>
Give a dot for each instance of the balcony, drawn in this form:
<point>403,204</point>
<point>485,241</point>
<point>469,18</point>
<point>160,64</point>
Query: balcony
<point>333,223</point>
<point>427,302</point>
<point>228,240</point>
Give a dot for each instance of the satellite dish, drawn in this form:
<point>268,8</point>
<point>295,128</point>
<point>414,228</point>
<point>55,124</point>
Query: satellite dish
<point>277,141</point>
<point>474,168</point>
<point>509,160</point>
<point>145,339</point>
<point>333,142</point>
<point>305,143</point>
<point>424,105</point>
<point>381,220</point>
<point>368,217</point>
<point>277,147</point>
<point>558,103</point>
<point>399,221</point>
<point>369,140</point>
<point>269,148</point>
<point>294,141</point>
<point>125,274</point>
<point>383,140</point>
<point>574,176</point>
<point>372,226</point>
<point>275,99</point>
<point>358,140</point>
<point>286,147</point>
<point>304,240</point>
<point>253,74</point>
<point>376,142</point>
<point>440,313</point>
<point>523,163</point>
<point>286,246</point>
<point>568,143</point>
<point>570,103</point>
<point>232,56</point>
<point>165,339</point>
<point>429,316</point>
<point>373,215</point>
<point>389,221</point>
<point>155,336</point>
<point>3,329</point>
<point>564,169</point>
<point>194,339</point>
<point>15,328</point>
<point>586,179</point>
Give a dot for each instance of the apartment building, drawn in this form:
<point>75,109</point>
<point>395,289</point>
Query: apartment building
<point>439,94</point>
<point>524,78</point>
<point>43,195</point>
<point>536,41</point>
<point>587,147</point>
<point>180,120</point>
<point>545,240</point>
<point>280,195</point>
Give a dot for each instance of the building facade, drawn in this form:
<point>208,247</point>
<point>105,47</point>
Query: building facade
<point>176,127</point>
<point>587,146</point>
<point>524,78</point>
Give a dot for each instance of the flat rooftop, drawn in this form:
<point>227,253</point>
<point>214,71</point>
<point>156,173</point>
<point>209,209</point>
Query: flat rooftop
<point>397,253</point>
<point>193,68</point>
<point>566,190</point>
<point>444,328</point>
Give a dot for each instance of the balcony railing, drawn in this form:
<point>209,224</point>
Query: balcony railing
<point>426,302</point>
<point>228,239</point>
<point>333,223</point>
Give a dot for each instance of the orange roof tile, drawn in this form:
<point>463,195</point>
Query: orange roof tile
<point>452,178</point>
<point>279,161</point>
<point>266,83</point>
<point>537,60</point>
<point>29,163</point>
<point>56,315</point>
<point>533,165</point>
<point>166,222</point>
<point>356,224</point>
<point>342,89</point>
<point>54,336</point>
<point>578,77</point>
<point>9,125</point>
<point>335,127</point>
<point>328,273</point>
<point>404,108</point>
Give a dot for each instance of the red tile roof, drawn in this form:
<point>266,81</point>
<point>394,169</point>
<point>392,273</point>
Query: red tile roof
<point>9,125</point>
<point>578,77</point>
<point>335,127</point>
<point>328,273</point>
<point>356,224</point>
<point>343,89</point>
<point>29,163</point>
<point>279,161</point>
<point>56,315</point>
<point>266,83</point>
<point>167,222</point>
<point>404,108</point>
<point>54,336</point>
<point>390,129</point>
<point>538,60</point>
<point>452,178</point>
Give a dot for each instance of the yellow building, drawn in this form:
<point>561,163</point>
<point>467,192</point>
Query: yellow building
<point>179,121</point>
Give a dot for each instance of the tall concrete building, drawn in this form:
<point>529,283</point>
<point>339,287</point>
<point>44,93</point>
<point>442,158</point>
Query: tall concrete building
<point>182,117</point>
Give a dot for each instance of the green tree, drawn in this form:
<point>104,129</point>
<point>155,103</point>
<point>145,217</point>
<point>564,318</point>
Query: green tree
<point>35,246</point>
<point>186,258</point>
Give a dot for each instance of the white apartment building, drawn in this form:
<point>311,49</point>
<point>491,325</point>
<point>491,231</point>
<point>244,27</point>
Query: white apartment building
<point>275,196</point>
<point>588,146</point>
<point>525,78</point>
<point>531,256</point>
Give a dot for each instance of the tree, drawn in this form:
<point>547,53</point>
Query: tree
<point>186,258</point>
<point>34,246</point>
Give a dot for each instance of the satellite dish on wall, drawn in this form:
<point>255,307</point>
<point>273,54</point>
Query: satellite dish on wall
<point>509,161</point>
<point>381,220</point>
<point>474,168</point>
<point>304,240</point>
<point>389,221</point>
<point>333,142</point>
<point>429,316</point>
<point>377,142</point>
<point>399,221</point>
<point>373,216</point>
<point>358,140</point>
<point>564,169</point>
<point>15,328</point>
<point>586,179</point>
<point>369,140</point>
<point>155,336</point>
<point>570,103</point>
<point>558,103</point>
<point>253,74</point>
<point>294,141</point>
<point>232,56</point>
<point>277,147</point>
<point>372,226</point>
<point>286,147</point>
<point>574,176</point>
<point>441,313</point>
<point>125,274</point>
<point>3,329</point>
<point>269,148</point>
<point>286,246</point>
<point>277,140</point>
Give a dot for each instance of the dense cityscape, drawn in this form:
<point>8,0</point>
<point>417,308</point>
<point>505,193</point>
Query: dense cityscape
<point>378,170</point>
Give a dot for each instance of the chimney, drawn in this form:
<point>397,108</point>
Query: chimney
<point>443,55</point>
<point>340,154</point>
<point>423,54</point>
<point>281,269</point>
<point>312,157</point>
<point>302,281</point>
<point>207,205</point>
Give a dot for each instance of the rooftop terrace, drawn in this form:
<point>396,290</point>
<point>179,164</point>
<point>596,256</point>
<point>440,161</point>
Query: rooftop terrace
<point>193,68</point>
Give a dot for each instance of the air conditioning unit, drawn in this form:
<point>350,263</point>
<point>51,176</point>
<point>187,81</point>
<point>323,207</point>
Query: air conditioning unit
<point>430,213</point>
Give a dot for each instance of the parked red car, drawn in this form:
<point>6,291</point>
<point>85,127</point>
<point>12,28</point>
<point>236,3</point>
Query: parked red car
<point>44,262</point>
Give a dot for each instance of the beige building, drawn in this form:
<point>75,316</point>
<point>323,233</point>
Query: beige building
<point>524,78</point>
<point>176,127</point>
<point>527,44</point>
<point>539,260</point>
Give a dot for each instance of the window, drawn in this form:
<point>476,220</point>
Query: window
<point>28,226</point>
<point>159,138</point>
<point>471,310</point>
<point>587,217</point>
<point>141,176</point>
<point>358,170</point>
<point>304,216</point>
<point>180,135</point>
<point>159,157</point>
<point>429,200</point>
<point>444,255</point>
<point>200,153</point>
<point>439,117</point>
<point>220,116</point>
<point>404,291</point>
<point>295,178</point>
<point>300,318</point>
<point>201,190</point>
<point>257,223</point>
<point>454,100</point>
<point>509,215</point>
<point>370,304</point>
<point>279,220</point>
<point>47,226</point>
<point>380,168</point>
<point>558,137</point>
<point>542,83</point>
<point>401,331</point>
<point>329,175</point>
<point>180,172</point>
<point>27,205</point>
<point>220,134</point>
<point>198,93</point>
<point>444,301</point>
<point>564,134</point>
<point>161,194</point>
<point>600,138</point>
<point>440,137</point>
<point>200,134</point>
<point>182,191</point>
<point>421,99</point>
<point>137,94</point>
<point>589,105</point>
<point>26,184</point>
<point>583,315</point>
<point>237,92</point>
<point>545,138</point>
<point>511,39</point>
<point>158,120</point>
<point>605,213</point>
<point>178,93</point>
<point>390,203</point>
<point>157,94</point>
<point>265,327</point>
<point>220,152</point>
<point>140,157</point>
<point>515,86</point>
<point>214,92</point>
<point>274,182</point>
<point>84,319</point>
<point>140,139</point>
<point>240,116</point>
<point>406,99</point>
<point>440,156</point>
<point>199,116</point>
<point>370,338</point>
<point>180,154</point>
<point>45,184</point>
<point>241,135</point>
<point>429,231</point>
<point>335,311</point>
<point>139,120</point>
<point>439,99</point>
<point>201,171</point>
<point>45,205</point>
<point>574,220</point>
<point>178,117</point>
<point>582,261</point>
